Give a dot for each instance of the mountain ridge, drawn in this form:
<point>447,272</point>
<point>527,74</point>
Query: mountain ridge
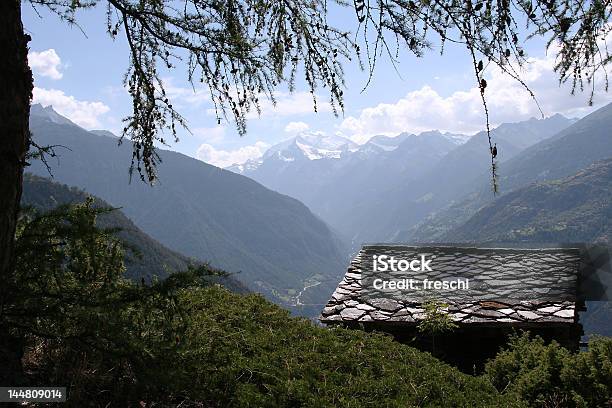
<point>272,242</point>
<point>149,261</point>
<point>414,195</point>
<point>577,208</point>
<point>333,185</point>
<point>571,149</point>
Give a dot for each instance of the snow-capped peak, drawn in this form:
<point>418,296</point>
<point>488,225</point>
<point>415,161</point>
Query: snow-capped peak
<point>249,165</point>
<point>313,153</point>
<point>319,140</point>
<point>312,146</point>
<point>318,145</point>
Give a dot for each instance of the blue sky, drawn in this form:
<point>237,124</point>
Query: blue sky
<point>80,73</point>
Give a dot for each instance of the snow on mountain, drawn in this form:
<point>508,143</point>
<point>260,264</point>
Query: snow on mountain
<point>306,146</point>
<point>317,146</point>
<point>249,165</point>
<point>322,141</point>
<point>384,144</point>
<point>278,148</point>
<point>313,153</point>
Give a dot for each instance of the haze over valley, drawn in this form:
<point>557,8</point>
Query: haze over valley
<point>287,224</point>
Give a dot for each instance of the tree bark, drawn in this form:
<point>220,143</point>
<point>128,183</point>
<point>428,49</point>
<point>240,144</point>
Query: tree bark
<point>15,95</point>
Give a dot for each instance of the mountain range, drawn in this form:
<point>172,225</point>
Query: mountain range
<point>271,242</point>
<point>145,257</point>
<point>375,191</point>
<point>574,209</point>
<point>431,187</point>
<point>561,155</point>
<point>577,208</point>
<point>554,176</point>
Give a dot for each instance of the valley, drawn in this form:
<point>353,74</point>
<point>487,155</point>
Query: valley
<point>429,187</point>
<point>269,242</point>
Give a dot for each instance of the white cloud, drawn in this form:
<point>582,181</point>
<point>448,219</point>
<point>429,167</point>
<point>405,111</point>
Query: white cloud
<point>462,111</point>
<point>225,158</point>
<point>211,134</point>
<point>296,127</point>
<point>45,63</point>
<point>83,113</point>
<point>297,103</point>
<point>115,92</point>
<point>287,104</point>
<point>185,95</point>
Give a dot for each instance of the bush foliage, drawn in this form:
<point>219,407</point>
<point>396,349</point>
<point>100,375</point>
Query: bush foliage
<point>182,341</point>
<point>548,375</point>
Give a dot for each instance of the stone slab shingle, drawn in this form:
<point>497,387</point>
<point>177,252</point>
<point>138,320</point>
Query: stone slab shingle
<point>520,286</point>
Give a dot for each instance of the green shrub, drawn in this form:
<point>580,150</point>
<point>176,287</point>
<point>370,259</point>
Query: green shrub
<point>436,321</point>
<point>245,351</point>
<point>181,342</point>
<point>83,324</point>
<point>548,375</point>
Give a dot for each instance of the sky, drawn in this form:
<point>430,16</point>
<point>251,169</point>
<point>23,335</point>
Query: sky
<point>79,71</point>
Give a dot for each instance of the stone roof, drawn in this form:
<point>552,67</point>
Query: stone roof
<point>515,286</point>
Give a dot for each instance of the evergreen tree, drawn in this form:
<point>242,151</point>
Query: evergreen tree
<point>242,50</point>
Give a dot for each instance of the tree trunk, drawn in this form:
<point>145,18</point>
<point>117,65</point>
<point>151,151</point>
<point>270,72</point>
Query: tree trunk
<point>15,95</point>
